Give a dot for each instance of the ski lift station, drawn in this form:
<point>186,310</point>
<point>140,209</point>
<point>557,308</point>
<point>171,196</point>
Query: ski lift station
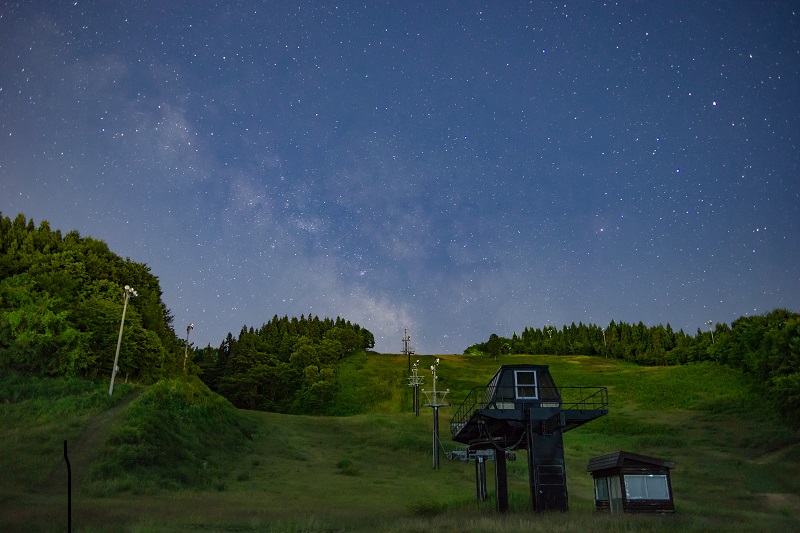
<point>522,409</point>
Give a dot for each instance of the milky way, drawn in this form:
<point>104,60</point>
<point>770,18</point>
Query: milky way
<point>455,168</point>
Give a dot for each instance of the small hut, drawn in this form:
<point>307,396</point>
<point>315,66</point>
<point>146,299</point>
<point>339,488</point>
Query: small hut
<point>626,482</point>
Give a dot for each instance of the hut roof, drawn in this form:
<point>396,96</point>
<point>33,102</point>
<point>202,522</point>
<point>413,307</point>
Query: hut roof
<point>621,459</point>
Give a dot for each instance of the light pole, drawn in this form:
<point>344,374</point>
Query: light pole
<point>711,330</point>
<point>407,349</point>
<point>414,381</point>
<point>128,293</point>
<point>436,400</point>
<point>186,348</point>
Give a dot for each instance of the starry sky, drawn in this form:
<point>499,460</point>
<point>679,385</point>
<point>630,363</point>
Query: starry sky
<point>457,168</point>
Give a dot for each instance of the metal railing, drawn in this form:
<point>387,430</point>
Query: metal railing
<point>583,398</point>
<point>492,397</point>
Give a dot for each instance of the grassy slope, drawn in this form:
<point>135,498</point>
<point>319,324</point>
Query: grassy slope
<point>737,468</point>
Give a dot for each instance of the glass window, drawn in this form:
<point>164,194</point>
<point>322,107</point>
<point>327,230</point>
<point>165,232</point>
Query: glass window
<point>525,384</point>
<point>646,487</point>
<point>657,488</point>
<point>601,488</point>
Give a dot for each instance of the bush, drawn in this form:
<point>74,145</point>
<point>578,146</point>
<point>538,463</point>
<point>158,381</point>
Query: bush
<point>347,468</point>
<point>427,509</point>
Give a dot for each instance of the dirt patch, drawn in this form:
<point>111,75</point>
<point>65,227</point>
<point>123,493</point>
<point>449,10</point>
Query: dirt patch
<point>84,449</point>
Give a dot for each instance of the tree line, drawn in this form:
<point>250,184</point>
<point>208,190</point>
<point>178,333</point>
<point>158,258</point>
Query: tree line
<point>61,298</point>
<point>766,347</point>
<point>287,365</point>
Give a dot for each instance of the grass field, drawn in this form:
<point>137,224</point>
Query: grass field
<point>737,466</point>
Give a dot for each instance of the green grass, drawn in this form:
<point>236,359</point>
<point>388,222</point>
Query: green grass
<point>177,434</point>
<point>736,469</point>
<point>36,416</point>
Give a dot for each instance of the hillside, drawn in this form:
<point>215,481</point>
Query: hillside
<point>766,347</point>
<point>737,466</point>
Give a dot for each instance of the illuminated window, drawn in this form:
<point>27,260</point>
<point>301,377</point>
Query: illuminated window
<point>525,384</point>
<point>646,487</point>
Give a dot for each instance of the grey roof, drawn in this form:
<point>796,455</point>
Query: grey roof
<point>620,459</point>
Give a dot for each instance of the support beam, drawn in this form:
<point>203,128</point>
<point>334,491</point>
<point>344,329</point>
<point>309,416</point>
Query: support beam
<point>436,437</point>
<point>480,477</point>
<point>532,481</point>
<point>501,481</point>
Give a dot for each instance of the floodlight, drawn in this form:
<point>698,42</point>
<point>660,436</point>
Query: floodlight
<point>189,328</point>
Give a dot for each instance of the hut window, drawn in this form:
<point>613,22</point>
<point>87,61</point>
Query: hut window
<point>601,488</point>
<point>646,487</point>
<point>525,384</point>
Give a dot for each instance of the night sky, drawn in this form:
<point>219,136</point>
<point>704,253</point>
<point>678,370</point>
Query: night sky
<point>456,168</point>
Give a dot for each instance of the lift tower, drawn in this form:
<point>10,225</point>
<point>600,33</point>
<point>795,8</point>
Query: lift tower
<point>522,408</point>
<point>408,351</point>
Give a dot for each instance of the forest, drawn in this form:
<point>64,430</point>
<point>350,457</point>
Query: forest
<point>61,299</point>
<point>765,347</point>
<point>287,365</point>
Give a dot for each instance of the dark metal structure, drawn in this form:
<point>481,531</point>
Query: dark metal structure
<point>69,490</point>
<point>414,381</point>
<point>407,349</point>
<point>627,482</point>
<point>435,401</point>
<point>479,457</point>
<point>521,408</point>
